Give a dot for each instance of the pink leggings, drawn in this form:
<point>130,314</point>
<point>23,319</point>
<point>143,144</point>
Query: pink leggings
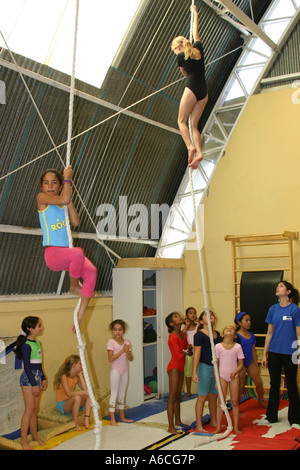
<point>73,260</point>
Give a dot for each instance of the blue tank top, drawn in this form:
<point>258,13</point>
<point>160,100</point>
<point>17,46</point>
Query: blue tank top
<point>53,224</point>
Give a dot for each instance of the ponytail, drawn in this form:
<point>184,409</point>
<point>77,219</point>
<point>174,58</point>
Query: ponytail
<point>188,50</point>
<point>294,294</point>
<point>187,45</point>
<point>27,323</point>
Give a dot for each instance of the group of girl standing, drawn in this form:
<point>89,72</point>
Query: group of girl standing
<point>236,355</point>
<point>71,391</point>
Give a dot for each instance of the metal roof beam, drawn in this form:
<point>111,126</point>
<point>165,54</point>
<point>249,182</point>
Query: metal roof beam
<point>15,229</point>
<point>250,26</point>
<point>86,96</point>
<point>248,23</point>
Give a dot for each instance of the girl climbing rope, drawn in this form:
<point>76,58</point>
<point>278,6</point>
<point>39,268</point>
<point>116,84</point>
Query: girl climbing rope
<point>190,59</point>
<point>56,192</point>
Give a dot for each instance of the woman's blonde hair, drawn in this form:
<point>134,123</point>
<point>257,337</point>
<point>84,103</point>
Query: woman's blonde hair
<point>65,369</point>
<point>187,45</point>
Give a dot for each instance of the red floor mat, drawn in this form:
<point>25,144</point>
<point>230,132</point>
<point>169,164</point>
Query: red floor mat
<point>253,435</point>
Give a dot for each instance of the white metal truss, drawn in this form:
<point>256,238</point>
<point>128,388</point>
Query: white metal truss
<point>259,53</point>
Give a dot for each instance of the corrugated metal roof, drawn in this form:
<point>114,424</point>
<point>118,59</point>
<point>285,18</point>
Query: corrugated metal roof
<point>125,156</point>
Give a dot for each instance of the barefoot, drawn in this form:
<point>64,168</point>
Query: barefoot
<point>217,431</point>
<point>172,430</point>
<point>98,294</point>
<point>114,423</point>
<point>26,446</point>
<point>191,152</point>
<point>196,161</point>
<point>78,428</point>
<point>124,420</point>
<point>75,290</point>
<point>200,429</point>
<point>87,422</point>
<point>236,430</point>
<point>40,443</point>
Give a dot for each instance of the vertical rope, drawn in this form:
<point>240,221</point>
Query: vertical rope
<point>206,307</point>
<point>81,344</point>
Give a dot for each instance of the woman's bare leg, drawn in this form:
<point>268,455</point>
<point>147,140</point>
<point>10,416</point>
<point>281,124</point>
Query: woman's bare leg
<point>189,106</point>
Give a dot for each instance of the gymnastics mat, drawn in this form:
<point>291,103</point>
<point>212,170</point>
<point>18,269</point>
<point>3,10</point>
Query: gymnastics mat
<point>256,432</point>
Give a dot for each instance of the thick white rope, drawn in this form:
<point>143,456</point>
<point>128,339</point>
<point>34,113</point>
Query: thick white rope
<point>215,437</point>
<point>55,147</point>
<point>81,344</point>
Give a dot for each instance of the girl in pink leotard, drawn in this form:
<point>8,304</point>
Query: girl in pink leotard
<point>119,353</point>
<point>56,192</point>
<point>230,359</point>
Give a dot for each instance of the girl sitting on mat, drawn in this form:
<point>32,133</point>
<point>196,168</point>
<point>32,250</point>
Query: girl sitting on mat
<point>190,329</point>
<point>32,380</point>
<point>230,359</point>
<point>190,59</point>
<point>203,371</point>
<point>119,353</point>
<point>56,192</point>
<point>179,348</point>
<point>247,340</point>
<point>69,400</point>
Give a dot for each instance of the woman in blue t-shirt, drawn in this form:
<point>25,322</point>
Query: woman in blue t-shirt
<point>281,350</point>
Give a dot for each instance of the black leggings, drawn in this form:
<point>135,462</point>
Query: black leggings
<point>275,364</point>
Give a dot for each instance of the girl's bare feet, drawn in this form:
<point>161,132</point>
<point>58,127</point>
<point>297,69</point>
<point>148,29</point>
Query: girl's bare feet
<point>200,429</point>
<point>196,161</point>
<point>191,152</point>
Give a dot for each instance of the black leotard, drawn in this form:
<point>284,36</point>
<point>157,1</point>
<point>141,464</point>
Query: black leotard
<point>195,71</point>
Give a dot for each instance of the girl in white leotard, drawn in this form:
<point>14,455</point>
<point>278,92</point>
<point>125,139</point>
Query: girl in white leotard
<point>119,353</point>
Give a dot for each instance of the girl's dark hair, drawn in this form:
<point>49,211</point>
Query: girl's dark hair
<point>168,320</point>
<point>201,318</point>
<point>27,323</point>
<point>118,322</point>
<point>190,308</point>
<point>236,320</point>
<point>52,170</point>
<point>294,294</point>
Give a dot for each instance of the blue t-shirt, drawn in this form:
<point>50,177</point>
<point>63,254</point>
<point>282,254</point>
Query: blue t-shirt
<point>284,321</point>
<point>247,346</point>
<point>201,339</point>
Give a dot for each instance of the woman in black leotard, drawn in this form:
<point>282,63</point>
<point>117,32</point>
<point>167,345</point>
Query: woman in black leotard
<point>190,59</point>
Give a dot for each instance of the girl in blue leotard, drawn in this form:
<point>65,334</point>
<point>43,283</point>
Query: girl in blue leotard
<point>190,59</point>
<point>248,341</point>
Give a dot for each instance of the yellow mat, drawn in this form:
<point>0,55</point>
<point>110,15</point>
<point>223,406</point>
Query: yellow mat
<point>56,440</point>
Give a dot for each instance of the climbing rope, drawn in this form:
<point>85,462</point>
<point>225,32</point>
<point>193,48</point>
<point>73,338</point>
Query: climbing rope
<point>81,344</point>
<point>215,437</point>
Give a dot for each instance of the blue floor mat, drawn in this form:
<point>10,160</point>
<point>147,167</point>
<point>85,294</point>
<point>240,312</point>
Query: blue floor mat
<point>149,408</point>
